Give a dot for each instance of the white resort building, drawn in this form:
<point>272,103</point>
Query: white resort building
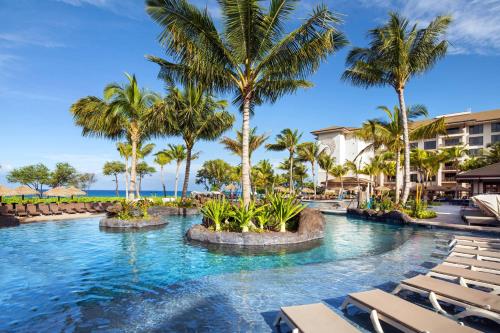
<point>474,130</point>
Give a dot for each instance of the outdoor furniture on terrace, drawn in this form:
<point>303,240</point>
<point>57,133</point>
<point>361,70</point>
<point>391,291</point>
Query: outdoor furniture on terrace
<point>98,207</point>
<point>10,209</point>
<point>54,209</point>
<point>21,210</point>
<point>44,209</point>
<point>473,264</point>
<point>466,277</point>
<point>32,211</point>
<point>79,207</point>
<point>313,318</point>
<point>4,211</point>
<point>473,302</point>
<point>401,314</point>
<point>67,208</point>
<point>477,254</point>
<point>89,208</point>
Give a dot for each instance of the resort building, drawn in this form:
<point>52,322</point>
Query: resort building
<point>343,145</point>
<point>474,130</point>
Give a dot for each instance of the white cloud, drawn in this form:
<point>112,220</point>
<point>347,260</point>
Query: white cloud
<point>476,24</point>
<point>27,38</point>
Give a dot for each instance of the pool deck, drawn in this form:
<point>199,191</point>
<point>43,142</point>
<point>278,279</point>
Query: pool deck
<point>46,218</point>
<point>448,217</point>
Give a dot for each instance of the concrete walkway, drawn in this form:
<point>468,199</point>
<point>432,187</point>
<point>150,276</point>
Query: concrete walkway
<point>448,217</point>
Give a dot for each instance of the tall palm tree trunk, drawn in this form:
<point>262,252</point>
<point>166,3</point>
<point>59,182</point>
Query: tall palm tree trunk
<point>398,178</point>
<point>406,142</point>
<point>189,149</point>
<point>127,182</point>
<point>314,176</point>
<point>245,158</point>
<point>326,180</point>
<point>116,184</point>
<point>163,182</point>
<point>291,174</point>
<point>133,171</point>
<point>178,169</point>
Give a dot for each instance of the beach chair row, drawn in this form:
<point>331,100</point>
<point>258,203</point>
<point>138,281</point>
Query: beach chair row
<point>33,210</point>
<point>468,279</point>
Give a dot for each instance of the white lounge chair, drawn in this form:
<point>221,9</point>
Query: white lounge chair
<point>474,302</point>
<point>476,254</point>
<point>473,264</point>
<point>313,318</point>
<point>403,315</point>
<point>466,277</point>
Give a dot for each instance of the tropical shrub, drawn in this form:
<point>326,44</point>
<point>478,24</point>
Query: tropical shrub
<point>217,210</point>
<point>283,209</point>
<point>264,217</point>
<point>244,215</point>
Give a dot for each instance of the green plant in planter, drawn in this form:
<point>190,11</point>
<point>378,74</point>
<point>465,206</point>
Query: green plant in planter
<point>143,205</point>
<point>264,217</point>
<point>217,210</point>
<point>243,215</point>
<point>283,208</point>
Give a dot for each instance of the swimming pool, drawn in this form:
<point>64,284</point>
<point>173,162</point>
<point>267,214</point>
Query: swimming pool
<point>72,276</point>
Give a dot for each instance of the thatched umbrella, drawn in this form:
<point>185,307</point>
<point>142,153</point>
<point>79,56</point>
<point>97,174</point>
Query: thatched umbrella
<point>437,188</point>
<point>382,188</point>
<point>307,190</point>
<point>57,192</point>
<point>230,187</point>
<point>75,191</point>
<point>25,190</point>
<point>6,192</point>
<point>281,189</point>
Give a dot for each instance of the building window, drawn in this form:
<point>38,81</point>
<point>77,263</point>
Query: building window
<point>495,127</point>
<point>476,140</point>
<point>453,130</point>
<point>413,145</point>
<point>449,166</point>
<point>491,188</point>
<point>433,178</point>
<point>429,145</point>
<point>495,138</point>
<point>452,142</point>
<point>413,177</point>
<point>476,129</point>
<point>449,177</point>
<point>474,152</point>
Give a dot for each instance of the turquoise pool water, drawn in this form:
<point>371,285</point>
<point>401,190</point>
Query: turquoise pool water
<point>72,276</point>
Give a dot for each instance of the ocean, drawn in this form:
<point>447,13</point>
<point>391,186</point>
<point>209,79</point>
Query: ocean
<point>112,193</point>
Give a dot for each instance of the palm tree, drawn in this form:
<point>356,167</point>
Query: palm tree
<point>178,154</point>
<point>454,155</point>
<point>114,168</point>
<point>251,57</point>
<point>125,151</point>
<point>194,115</point>
<point>388,134</point>
<point>263,175</point>
<point>311,152</point>
<point>326,162</point>
<point>287,140</point>
<point>162,159</point>
<point>121,114</point>
<point>143,169</point>
<point>339,171</point>
<point>398,52</point>
<point>356,169</point>
<point>372,169</point>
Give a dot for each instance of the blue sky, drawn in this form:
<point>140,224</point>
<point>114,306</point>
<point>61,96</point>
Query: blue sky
<point>53,52</point>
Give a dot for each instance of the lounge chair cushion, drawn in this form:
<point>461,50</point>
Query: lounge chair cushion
<point>473,297</point>
<point>412,316</point>
<point>494,265</point>
<point>482,253</point>
<point>489,246</point>
<point>317,318</point>
<point>478,239</point>
<point>467,274</point>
